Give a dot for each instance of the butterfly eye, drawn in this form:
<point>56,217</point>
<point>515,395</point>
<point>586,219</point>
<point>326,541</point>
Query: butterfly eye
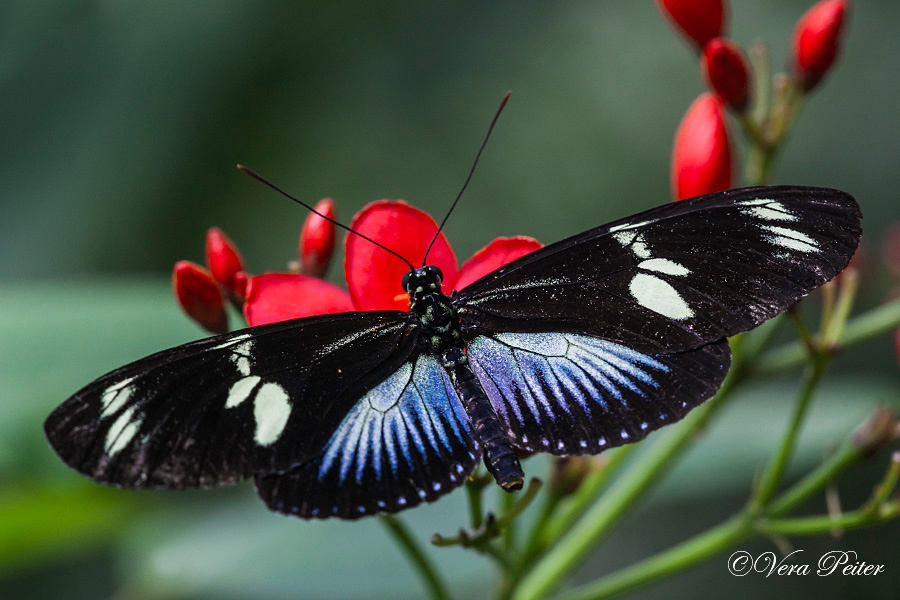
<point>404,283</point>
<point>433,270</point>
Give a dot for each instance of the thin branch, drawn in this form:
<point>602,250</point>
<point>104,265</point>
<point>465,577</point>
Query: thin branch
<point>416,554</point>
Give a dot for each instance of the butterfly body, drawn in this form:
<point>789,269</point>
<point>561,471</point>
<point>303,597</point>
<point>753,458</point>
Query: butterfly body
<point>442,336</point>
<point>586,344</point>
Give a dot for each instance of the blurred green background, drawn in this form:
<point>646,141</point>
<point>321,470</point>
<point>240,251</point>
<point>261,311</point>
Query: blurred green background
<point>121,123</point>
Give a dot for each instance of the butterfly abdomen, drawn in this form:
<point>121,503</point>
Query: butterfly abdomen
<point>499,456</point>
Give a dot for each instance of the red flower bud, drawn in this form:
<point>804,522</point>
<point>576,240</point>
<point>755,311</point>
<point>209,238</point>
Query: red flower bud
<point>317,240</point>
<point>241,281</point>
<point>199,296</point>
<point>816,40</point>
<point>725,70</point>
<point>701,155</point>
<point>699,20</point>
<point>223,258</point>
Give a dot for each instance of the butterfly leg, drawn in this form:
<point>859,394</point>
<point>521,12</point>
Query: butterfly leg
<point>499,456</point>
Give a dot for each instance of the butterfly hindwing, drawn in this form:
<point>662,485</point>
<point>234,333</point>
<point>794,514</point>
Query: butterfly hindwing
<point>567,394</point>
<point>222,409</point>
<point>677,276</point>
<point>407,440</point>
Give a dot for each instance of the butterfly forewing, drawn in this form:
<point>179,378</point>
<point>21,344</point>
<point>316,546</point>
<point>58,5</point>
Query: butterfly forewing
<point>565,393</point>
<point>223,409</point>
<point>406,441</point>
<point>677,276</point>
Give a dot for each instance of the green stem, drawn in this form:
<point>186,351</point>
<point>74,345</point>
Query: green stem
<point>682,556</point>
<point>500,557</point>
<point>776,467</point>
<point>803,331</point>
<point>507,501</point>
<point>415,553</point>
<point>757,170</point>
<point>865,327</point>
<point>762,81</point>
<point>886,486</point>
<point>834,327</point>
<point>587,492</point>
<point>816,480</point>
<point>474,489</point>
<point>827,523</point>
<point>535,542</point>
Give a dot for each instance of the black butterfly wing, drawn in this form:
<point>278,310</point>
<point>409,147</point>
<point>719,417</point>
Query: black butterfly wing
<point>674,277</point>
<point>222,409</point>
<point>567,393</point>
<point>407,441</point>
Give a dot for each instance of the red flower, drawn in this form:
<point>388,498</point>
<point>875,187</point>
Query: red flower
<point>373,275</point>
<point>701,155</point>
<point>699,20</point>
<point>725,70</point>
<point>223,259</point>
<point>199,296</point>
<point>317,240</point>
<point>816,40</point>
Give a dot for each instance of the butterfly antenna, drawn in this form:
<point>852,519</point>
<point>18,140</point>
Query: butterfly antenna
<point>469,178</point>
<point>265,181</point>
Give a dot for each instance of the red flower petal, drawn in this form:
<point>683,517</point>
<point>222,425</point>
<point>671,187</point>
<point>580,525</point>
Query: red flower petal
<point>274,297</point>
<point>493,256</point>
<point>701,155</point>
<point>317,239</point>
<point>223,258</point>
<point>816,41</point>
<point>373,275</point>
<point>199,296</point>
<point>698,20</point>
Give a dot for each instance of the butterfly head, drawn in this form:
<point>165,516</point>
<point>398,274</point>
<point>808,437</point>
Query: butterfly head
<point>426,280</point>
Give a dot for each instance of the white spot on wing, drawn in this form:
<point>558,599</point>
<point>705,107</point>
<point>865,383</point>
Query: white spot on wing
<point>271,410</point>
<point>639,247</point>
<point>121,432</point>
<point>240,391</point>
<point>653,293</point>
<point>625,237</point>
<point>240,356</point>
<point>769,213</point>
<point>664,265</point>
<point>791,238</point>
<point>115,397</point>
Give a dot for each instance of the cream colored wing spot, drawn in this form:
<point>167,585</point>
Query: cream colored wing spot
<point>654,294</point>
<point>271,410</point>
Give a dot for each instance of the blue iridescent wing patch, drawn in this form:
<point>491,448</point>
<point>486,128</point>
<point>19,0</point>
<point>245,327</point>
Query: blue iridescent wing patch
<point>406,441</point>
<point>565,393</point>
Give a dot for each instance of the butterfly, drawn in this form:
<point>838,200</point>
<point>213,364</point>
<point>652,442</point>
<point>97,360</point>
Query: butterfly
<point>586,344</point>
